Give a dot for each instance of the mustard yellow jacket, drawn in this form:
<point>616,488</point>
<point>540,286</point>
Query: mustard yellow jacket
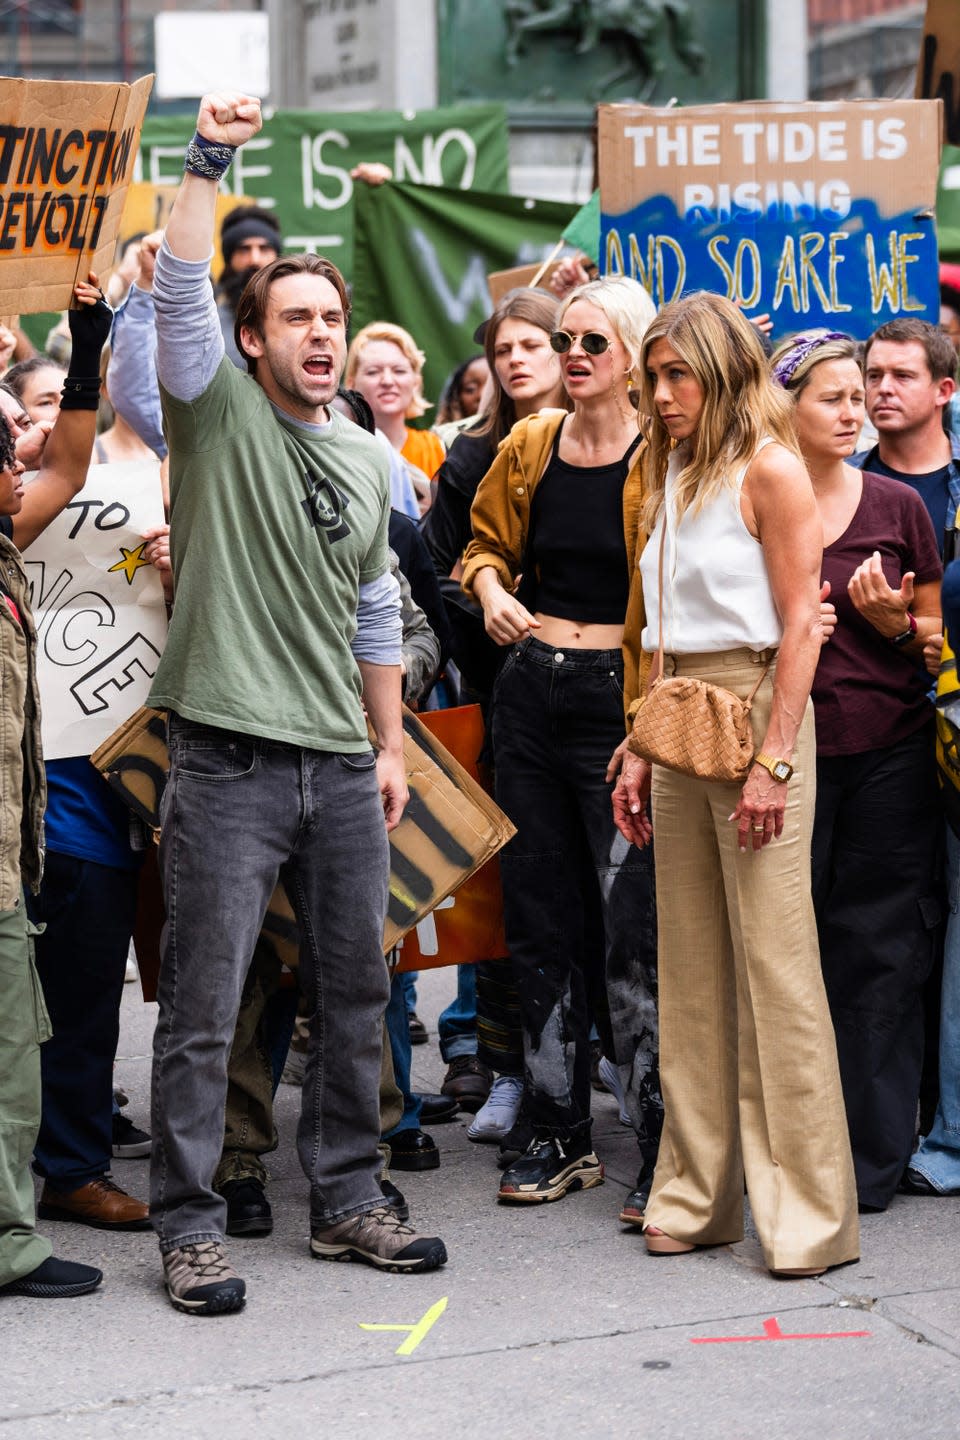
<point>500,518</point>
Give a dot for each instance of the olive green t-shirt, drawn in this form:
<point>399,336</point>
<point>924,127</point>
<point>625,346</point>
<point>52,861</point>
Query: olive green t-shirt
<point>273,528</point>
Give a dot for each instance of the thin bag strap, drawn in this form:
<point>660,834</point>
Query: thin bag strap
<point>748,703</point>
<point>663,536</point>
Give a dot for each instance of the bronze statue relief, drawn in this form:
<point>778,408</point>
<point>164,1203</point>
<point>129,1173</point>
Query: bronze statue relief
<point>630,28</point>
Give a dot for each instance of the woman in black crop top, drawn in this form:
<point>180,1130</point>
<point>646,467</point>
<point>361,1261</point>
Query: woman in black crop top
<point>557,504</point>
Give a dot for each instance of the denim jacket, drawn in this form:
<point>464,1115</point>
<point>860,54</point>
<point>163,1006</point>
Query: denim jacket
<point>951,539</point>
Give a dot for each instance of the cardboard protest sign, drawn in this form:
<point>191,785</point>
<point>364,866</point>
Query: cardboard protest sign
<point>450,827</point>
<point>147,207</point>
<point>99,608</point>
<point>67,152</point>
<point>468,926</point>
<point>821,214</point>
<point>423,254</point>
<point>938,70</point>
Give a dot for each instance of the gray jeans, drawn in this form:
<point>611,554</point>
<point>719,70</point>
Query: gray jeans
<point>238,814</point>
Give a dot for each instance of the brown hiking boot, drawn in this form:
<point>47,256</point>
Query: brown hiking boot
<point>378,1237</point>
<point>200,1279</point>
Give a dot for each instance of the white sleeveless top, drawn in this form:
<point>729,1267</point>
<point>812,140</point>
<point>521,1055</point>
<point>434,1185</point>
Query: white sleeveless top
<point>716,592</point>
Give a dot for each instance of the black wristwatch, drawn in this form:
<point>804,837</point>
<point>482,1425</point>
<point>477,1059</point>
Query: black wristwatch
<point>907,635</point>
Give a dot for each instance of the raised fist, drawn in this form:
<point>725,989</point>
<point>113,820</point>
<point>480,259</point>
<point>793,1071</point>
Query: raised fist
<point>229,119</point>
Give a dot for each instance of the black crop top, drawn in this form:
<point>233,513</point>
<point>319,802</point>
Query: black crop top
<point>575,547</point>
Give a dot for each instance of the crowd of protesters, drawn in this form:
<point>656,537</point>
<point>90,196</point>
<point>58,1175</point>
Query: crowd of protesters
<point>611,496</point>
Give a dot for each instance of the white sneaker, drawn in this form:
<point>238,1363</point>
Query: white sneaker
<point>610,1079</point>
<point>498,1115</point>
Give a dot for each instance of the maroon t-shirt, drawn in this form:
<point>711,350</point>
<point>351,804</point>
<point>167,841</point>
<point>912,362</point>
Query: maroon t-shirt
<point>868,693</point>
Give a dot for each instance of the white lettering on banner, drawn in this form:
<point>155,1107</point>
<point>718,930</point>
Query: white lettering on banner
<point>312,244</point>
<point>430,169</point>
<point>786,198</point>
<point>234,182</point>
<point>312,163</point>
<point>787,142</point>
<point>473,286</point>
<point>99,607</point>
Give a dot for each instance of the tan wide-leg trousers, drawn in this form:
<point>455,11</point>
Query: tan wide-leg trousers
<point>748,1061</point>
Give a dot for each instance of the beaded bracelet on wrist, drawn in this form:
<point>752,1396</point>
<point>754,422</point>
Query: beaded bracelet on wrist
<point>207,158</point>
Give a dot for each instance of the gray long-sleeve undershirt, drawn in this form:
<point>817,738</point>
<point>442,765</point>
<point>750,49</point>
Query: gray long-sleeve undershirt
<point>189,352</point>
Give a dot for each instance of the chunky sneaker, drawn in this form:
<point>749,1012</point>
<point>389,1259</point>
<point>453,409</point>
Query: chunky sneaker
<point>378,1237</point>
<point>516,1142</point>
<point>549,1168</point>
<point>200,1279</point>
<point>610,1080</point>
<point>129,1142</point>
<point>497,1117</point>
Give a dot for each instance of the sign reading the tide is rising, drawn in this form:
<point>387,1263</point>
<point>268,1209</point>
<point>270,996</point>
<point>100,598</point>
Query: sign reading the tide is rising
<point>821,214</point>
<point>67,152</point>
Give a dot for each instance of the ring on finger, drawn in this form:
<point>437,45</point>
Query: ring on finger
<point>758,829</point>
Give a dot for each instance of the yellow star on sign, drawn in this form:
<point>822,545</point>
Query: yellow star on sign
<point>131,562</point>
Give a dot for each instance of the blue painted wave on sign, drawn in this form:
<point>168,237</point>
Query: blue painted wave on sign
<point>807,265</point>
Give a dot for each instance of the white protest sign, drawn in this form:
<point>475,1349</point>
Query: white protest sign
<point>98,606</point>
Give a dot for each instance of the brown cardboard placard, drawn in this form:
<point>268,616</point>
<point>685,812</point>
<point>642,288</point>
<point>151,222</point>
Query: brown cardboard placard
<point>500,281</point>
<point>67,152</point>
<point>147,207</point>
<point>938,69</point>
<point>820,214</point>
<point>449,828</point>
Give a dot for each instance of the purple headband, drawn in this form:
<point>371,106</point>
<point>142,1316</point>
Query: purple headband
<point>785,368</point>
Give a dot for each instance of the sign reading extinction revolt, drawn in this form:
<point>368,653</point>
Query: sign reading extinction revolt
<point>67,153</point>
<point>820,214</point>
<point>299,165</point>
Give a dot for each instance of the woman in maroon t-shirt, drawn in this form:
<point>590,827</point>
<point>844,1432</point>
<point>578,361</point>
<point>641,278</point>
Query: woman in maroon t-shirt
<point>876,828</point>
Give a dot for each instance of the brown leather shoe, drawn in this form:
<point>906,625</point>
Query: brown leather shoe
<point>101,1203</point>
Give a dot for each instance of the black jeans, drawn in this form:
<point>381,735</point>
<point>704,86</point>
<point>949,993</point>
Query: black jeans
<point>557,718</point>
<point>875,847</point>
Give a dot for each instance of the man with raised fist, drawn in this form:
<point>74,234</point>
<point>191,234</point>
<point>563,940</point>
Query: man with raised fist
<point>286,625</point>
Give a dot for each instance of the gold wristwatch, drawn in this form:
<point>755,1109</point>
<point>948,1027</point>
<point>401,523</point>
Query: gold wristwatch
<point>781,770</point>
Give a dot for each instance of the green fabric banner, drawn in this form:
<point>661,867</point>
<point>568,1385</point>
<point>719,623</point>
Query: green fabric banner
<point>422,257</point>
<point>948,204</point>
<point>300,162</point>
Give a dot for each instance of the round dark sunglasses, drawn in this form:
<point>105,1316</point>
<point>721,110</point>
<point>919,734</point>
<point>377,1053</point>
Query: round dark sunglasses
<point>592,342</point>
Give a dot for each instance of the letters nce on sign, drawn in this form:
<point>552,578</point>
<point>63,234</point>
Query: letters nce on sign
<point>821,214</point>
<point>67,152</point>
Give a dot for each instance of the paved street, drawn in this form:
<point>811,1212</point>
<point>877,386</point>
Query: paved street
<point>556,1322</point>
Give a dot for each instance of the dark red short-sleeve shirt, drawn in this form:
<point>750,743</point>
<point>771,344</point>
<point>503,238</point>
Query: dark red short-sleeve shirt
<point>866,692</point>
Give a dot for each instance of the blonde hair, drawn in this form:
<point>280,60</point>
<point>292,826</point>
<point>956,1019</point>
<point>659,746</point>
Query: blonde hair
<point>741,401</point>
<point>626,305</point>
<point>404,341</point>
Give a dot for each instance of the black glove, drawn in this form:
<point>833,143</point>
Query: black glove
<point>90,327</point>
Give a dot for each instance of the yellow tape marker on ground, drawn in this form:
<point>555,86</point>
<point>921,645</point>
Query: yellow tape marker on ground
<point>417,1332</point>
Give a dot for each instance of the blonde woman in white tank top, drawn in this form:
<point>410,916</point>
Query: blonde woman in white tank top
<point>748,1060</point>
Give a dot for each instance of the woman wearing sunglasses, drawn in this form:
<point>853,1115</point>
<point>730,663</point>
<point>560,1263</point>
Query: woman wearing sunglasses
<point>561,505</point>
<point>731,571</point>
